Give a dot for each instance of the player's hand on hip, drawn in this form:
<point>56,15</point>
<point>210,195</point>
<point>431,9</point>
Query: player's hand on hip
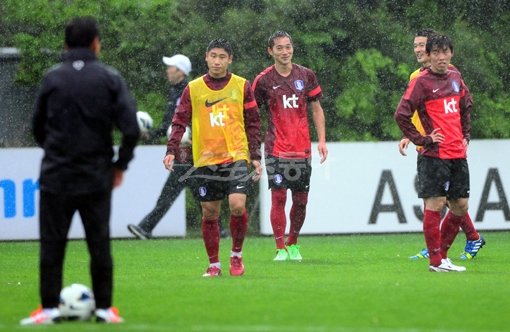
<point>402,146</point>
<point>168,161</point>
<point>465,142</point>
<point>258,170</point>
<point>436,136</point>
<point>323,152</point>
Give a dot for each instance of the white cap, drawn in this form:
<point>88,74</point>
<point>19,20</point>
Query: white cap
<point>180,61</point>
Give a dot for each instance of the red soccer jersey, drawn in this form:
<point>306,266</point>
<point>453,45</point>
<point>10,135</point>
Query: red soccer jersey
<point>286,101</point>
<point>442,101</point>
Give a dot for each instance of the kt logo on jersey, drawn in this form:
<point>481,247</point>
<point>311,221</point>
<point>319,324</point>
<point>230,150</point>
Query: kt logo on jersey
<point>290,102</point>
<point>449,106</point>
<point>218,114</point>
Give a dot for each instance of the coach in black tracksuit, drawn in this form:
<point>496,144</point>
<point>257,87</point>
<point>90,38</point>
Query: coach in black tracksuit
<point>79,104</point>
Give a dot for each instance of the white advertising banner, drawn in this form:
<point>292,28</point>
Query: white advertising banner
<point>369,188</point>
<point>143,181</point>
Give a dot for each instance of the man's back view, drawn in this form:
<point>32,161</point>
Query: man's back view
<point>78,106</point>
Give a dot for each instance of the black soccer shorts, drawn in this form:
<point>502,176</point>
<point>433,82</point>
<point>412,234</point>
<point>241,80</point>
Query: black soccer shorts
<point>293,174</point>
<point>215,182</point>
<point>443,178</point>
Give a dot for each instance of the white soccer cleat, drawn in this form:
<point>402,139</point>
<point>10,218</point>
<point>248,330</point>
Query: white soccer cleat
<point>447,266</point>
<point>42,317</point>
<point>109,316</point>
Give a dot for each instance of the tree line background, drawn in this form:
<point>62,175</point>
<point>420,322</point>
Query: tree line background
<point>361,50</point>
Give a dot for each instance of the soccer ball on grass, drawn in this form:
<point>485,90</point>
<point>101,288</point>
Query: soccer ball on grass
<point>76,302</point>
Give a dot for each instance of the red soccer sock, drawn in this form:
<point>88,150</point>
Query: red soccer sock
<point>469,228</point>
<point>449,230</point>
<point>278,218</point>
<point>238,227</point>
<point>297,215</point>
<point>432,235</point>
<point>211,236</point>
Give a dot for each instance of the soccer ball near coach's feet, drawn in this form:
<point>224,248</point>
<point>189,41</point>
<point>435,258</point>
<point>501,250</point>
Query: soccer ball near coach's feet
<point>76,302</point>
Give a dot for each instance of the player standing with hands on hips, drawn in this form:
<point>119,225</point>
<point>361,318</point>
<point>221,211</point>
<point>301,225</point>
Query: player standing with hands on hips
<point>79,104</point>
<point>225,126</point>
<point>443,103</point>
<point>474,241</point>
<point>285,90</point>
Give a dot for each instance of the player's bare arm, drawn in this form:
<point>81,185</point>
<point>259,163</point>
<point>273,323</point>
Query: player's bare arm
<point>168,161</point>
<point>403,145</point>
<point>118,176</point>
<point>319,121</point>
<point>258,170</point>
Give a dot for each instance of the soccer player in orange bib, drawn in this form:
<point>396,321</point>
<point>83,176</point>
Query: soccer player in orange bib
<point>226,137</point>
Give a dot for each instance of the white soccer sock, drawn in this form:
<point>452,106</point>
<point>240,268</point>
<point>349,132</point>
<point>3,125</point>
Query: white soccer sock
<point>236,254</point>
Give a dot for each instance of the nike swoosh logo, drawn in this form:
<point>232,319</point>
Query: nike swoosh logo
<point>275,87</point>
<point>211,103</point>
<point>435,90</point>
<point>239,186</point>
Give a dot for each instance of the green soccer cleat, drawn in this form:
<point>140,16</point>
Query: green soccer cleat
<point>281,255</point>
<point>424,253</point>
<point>294,254</point>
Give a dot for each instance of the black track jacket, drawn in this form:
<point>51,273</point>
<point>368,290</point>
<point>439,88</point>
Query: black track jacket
<point>78,106</point>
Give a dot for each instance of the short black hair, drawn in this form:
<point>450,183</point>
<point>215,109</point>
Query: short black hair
<point>81,32</point>
<point>276,35</point>
<point>439,42</point>
<point>426,32</point>
<point>220,43</point>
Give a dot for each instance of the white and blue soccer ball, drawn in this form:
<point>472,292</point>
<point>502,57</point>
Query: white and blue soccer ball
<point>76,302</point>
<point>145,121</point>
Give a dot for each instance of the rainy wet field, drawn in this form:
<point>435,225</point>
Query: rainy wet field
<point>344,283</point>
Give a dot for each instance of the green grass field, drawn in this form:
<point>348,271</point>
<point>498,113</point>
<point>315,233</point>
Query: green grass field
<point>345,283</point>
